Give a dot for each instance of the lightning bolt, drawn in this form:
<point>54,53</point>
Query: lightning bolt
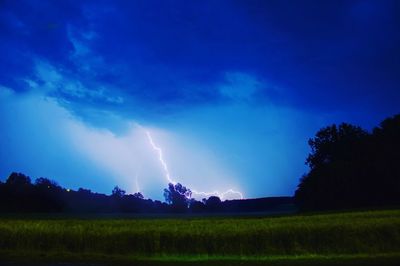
<point>160,158</point>
<point>164,165</point>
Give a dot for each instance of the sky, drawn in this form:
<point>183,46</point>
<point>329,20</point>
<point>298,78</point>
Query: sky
<point>217,95</point>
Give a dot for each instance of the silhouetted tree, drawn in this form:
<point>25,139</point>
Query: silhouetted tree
<point>118,192</point>
<point>213,204</point>
<point>351,168</point>
<point>197,206</point>
<point>334,144</point>
<point>336,168</point>
<point>46,183</point>
<point>18,192</point>
<point>178,197</point>
<point>48,195</point>
<point>84,191</point>
<point>138,195</point>
<point>18,180</point>
<point>385,150</point>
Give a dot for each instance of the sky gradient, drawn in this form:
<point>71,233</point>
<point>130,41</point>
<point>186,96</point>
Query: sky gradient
<point>229,90</point>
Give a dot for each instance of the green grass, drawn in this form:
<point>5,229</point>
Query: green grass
<point>338,236</point>
<point>27,258</point>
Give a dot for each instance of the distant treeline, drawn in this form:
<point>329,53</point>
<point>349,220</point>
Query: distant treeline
<point>19,194</point>
<point>349,168</point>
<point>352,168</point>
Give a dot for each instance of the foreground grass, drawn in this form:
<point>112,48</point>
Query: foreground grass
<point>44,259</point>
<point>345,237</point>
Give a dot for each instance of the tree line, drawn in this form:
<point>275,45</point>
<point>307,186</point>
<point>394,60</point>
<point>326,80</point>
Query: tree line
<point>349,168</point>
<point>20,194</point>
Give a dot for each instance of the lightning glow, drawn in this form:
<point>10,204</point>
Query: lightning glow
<point>137,184</point>
<point>221,195</point>
<point>164,165</point>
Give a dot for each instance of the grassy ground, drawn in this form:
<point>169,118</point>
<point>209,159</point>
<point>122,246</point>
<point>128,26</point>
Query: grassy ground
<point>324,239</point>
<point>52,259</point>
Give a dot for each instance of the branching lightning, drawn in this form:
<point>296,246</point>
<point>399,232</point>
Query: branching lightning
<point>164,165</point>
<point>160,158</point>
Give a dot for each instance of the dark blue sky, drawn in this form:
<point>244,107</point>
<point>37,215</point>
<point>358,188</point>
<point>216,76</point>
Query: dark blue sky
<point>230,90</point>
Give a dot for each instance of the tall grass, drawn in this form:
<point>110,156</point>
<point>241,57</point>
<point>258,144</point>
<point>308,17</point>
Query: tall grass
<point>372,232</point>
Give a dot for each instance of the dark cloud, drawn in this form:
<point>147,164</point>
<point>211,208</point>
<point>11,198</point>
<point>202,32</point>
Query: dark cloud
<point>31,30</point>
<point>167,55</point>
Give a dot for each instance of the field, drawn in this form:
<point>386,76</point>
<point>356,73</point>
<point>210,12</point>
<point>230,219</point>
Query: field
<point>370,237</point>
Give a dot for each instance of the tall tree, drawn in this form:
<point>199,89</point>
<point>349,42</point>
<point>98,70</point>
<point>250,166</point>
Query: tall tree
<point>117,192</point>
<point>18,179</point>
<point>336,168</point>
<point>351,168</point>
<point>178,196</point>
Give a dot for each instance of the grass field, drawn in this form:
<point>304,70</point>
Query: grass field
<point>292,240</point>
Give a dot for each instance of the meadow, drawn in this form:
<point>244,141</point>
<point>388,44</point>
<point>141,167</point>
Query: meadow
<point>345,237</point>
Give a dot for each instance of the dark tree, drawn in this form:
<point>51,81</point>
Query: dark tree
<point>17,193</point>
<point>48,195</point>
<point>18,180</point>
<point>178,197</point>
<point>213,204</point>
<point>46,183</point>
<point>336,169</point>
<point>350,168</point>
<point>138,195</point>
<point>197,206</point>
<point>118,192</point>
<point>334,144</point>
<point>385,163</point>
<point>84,191</point>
